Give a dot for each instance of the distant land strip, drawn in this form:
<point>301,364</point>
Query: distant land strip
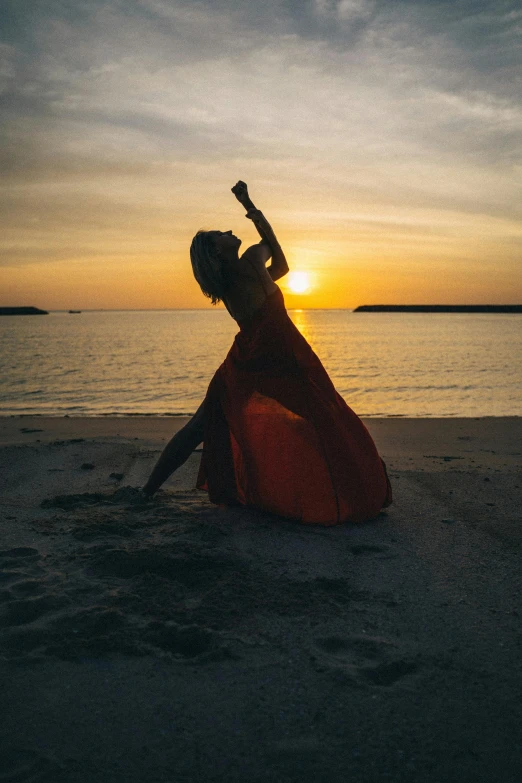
<point>438,309</point>
<point>22,311</point>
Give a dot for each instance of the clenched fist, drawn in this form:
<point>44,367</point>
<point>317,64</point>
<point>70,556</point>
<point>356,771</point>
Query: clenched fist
<point>240,191</point>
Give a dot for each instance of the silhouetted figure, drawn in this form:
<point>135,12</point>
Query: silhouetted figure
<point>276,433</point>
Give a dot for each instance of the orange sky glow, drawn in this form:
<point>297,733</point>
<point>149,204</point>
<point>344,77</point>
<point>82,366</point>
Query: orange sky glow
<point>376,139</point>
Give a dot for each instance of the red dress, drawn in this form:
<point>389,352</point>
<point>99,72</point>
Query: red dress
<point>279,437</point>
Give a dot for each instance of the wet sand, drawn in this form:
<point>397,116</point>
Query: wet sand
<point>176,641</point>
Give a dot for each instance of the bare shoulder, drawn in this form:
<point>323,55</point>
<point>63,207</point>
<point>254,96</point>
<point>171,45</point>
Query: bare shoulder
<point>251,285</point>
<point>259,253</point>
<point>255,268</point>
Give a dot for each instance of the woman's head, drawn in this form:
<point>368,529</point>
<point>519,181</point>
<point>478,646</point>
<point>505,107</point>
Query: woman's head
<point>212,254</point>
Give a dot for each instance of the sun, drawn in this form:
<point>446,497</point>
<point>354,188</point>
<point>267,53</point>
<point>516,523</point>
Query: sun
<point>299,282</point>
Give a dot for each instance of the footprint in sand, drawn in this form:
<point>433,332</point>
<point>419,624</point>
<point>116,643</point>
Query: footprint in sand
<point>8,556</point>
<point>360,660</point>
<point>28,587</point>
<point>186,641</point>
<point>98,600</point>
<point>21,598</point>
<point>124,495</point>
<point>193,571</point>
<point>148,585</point>
<point>20,612</point>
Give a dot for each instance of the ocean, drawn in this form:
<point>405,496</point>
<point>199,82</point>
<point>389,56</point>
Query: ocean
<point>152,362</point>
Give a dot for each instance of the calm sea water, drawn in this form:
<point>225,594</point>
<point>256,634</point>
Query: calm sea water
<point>160,362</point>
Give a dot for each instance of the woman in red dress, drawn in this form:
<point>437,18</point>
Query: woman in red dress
<point>276,434</point>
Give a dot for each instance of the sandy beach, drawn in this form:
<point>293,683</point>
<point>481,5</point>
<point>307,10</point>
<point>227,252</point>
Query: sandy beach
<point>176,641</point>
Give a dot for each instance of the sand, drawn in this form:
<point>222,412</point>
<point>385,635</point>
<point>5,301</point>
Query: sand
<point>176,641</point>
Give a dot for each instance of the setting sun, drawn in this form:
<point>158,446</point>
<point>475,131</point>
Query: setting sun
<point>299,282</point>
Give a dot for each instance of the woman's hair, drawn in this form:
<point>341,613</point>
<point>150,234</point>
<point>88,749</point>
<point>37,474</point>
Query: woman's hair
<point>209,269</point>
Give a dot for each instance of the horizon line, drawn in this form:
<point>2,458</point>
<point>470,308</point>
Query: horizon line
<point>223,309</point>
<point>79,310</point>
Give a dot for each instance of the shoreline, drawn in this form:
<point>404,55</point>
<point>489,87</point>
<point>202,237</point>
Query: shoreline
<point>390,432</point>
<point>176,640</point>
<point>188,415</point>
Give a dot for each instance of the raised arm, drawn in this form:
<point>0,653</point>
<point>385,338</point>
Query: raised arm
<point>269,246</point>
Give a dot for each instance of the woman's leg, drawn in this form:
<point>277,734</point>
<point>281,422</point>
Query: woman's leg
<point>177,451</point>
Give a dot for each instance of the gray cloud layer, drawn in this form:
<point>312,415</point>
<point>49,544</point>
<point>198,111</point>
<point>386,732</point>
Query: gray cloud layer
<point>118,108</point>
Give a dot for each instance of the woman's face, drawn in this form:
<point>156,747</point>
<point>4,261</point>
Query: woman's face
<point>225,241</point>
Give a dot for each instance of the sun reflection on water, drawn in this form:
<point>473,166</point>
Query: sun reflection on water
<point>301,320</point>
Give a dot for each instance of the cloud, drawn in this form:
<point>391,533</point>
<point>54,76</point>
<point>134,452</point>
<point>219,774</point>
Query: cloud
<point>345,9</point>
<point>380,103</point>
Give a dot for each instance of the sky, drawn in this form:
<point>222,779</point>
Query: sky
<point>382,139</point>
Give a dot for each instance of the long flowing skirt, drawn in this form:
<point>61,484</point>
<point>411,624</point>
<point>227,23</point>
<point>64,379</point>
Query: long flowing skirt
<point>279,437</point>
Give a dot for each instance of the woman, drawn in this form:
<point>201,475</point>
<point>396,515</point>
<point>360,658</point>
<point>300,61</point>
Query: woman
<point>276,434</point>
